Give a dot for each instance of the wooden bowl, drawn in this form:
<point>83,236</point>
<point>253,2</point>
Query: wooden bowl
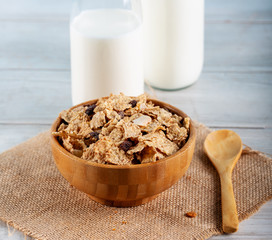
<point>124,186</point>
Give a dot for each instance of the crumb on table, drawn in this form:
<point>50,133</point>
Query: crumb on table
<point>191,214</point>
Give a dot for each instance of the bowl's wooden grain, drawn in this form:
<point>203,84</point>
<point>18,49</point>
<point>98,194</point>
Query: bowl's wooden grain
<point>124,186</point>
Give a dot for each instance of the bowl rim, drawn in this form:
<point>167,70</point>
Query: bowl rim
<point>181,151</point>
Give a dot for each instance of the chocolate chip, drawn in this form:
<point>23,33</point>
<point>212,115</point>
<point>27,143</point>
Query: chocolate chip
<point>122,114</point>
<point>135,161</point>
<point>92,138</point>
<point>95,136</point>
<point>133,103</point>
<point>63,121</point>
<point>60,140</point>
<point>90,110</point>
<point>126,145</point>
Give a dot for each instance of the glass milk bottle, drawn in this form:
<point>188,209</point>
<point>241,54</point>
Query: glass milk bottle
<point>173,42</point>
<point>106,49</point>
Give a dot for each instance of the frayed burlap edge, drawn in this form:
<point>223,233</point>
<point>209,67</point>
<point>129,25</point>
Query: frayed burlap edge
<point>25,231</point>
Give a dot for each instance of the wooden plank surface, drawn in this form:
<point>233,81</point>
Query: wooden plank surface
<point>228,46</point>
<point>240,99</point>
<point>215,10</point>
<point>234,91</point>
<point>239,11</point>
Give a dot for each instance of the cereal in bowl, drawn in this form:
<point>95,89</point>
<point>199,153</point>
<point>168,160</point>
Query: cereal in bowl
<point>122,130</point>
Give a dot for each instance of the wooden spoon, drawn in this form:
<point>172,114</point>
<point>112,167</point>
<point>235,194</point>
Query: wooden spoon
<point>224,148</point>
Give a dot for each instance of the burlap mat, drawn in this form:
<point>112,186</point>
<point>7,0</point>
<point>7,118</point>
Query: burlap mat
<point>35,199</point>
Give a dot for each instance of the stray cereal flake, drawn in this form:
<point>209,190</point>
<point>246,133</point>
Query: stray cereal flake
<point>191,214</point>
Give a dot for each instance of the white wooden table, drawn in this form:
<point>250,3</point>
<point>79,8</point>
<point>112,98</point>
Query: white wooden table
<point>234,90</point>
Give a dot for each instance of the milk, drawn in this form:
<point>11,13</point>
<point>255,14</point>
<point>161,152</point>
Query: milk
<point>106,54</point>
<point>173,42</point>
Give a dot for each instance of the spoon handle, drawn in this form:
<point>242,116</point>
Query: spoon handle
<point>229,211</point>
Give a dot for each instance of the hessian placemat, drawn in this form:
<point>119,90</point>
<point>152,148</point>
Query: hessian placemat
<point>37,200</point>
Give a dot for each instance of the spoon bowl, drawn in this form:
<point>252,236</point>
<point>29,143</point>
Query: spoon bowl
<point>224,148</point>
